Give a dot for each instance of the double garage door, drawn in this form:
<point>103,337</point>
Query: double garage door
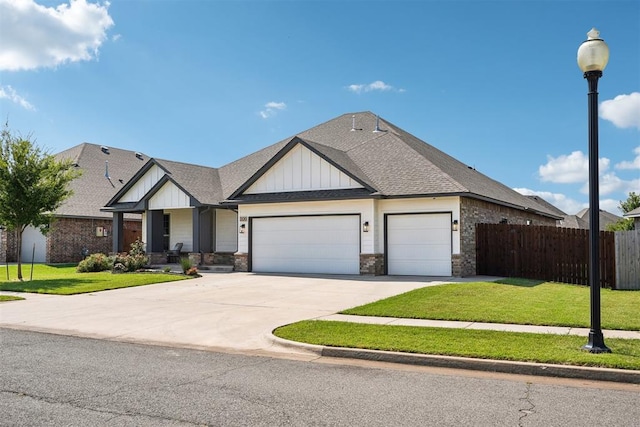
<point>417,244</point>
<point>306,244</point>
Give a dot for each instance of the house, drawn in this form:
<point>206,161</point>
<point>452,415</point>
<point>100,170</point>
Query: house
<point>635,214</point>
<point>605,218</point>
<point>354,195</point>
<point>79,223</point>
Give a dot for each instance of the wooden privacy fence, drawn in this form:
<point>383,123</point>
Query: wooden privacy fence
<point>544,253</point>
<point>628,259</point>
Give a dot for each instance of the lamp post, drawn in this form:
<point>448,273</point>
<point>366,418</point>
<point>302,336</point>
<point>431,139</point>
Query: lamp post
<point>593,55</point>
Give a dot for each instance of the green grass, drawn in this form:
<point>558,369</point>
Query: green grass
<point>541,348</point>
<point>64,280</point>
<point>9,298</point>
<point>516,301</point>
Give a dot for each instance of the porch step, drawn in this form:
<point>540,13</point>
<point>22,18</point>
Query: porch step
<point>215,268</point>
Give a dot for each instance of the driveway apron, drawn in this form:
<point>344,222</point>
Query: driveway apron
<point>231,312</point>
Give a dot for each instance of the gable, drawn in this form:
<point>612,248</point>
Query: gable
<point>143,185</point>
<point>169,196</point>
<point>302,170</point>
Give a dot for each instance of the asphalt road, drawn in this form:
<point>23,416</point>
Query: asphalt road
<point>67,381</point>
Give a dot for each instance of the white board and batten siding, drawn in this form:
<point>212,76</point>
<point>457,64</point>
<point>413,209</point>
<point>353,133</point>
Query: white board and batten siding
<point>180,228</point>
<point>143,185</point>
<point>419,244</point>
<point>168,197</point>
<point>306,244</point>
<point>302,170</point>
<point>226,231</point>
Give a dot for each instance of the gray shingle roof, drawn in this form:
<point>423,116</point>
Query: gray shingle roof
<point>393,162</point>
<point>635,213</point>
<point>201,182</point>
<point>548,205</point>
<point>92,190</point>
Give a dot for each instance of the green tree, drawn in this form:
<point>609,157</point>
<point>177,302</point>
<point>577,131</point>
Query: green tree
<point>33,184</point>
<point>632,202</point>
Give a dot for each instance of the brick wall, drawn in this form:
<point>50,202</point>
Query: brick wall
<point>372,264</point>
<point>241,261</point>
<point>474,212</point>
<point>68,236</point>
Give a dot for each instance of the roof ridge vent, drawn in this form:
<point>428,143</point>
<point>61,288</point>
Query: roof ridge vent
<point>138,155</point>
<point>104,149</point>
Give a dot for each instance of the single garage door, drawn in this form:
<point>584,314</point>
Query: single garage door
<point>419,244</point>
<point>306,244</point>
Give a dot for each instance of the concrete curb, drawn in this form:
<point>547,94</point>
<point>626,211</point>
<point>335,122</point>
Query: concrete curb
<point>501,366</point>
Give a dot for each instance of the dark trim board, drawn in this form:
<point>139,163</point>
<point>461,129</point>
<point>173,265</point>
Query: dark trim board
<point>386,232</point>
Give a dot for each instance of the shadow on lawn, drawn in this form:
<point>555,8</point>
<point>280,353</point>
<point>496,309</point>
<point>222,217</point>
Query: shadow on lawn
<point>524,283</point>
<point>41,286</point>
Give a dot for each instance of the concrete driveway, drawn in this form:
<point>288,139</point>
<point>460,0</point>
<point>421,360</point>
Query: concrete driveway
<point>230,312</point>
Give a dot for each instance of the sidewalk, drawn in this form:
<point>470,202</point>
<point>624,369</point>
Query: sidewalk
<point>558,330</point>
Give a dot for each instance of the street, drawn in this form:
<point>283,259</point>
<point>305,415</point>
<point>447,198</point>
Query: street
<point>59,380</point>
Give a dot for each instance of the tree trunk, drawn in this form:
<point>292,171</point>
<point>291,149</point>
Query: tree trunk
<point>19,251</point>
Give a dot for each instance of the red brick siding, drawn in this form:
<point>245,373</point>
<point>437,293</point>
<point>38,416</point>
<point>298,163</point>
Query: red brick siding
<point>472,212</point>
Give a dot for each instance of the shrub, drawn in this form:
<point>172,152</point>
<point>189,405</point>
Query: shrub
<point>94,263</point>
<point>137,248</point>
<point>185,263</point>
<point>131,262</point>
<point>166,269</point>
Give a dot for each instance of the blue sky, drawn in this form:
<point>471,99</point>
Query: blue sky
<point>493,83</point>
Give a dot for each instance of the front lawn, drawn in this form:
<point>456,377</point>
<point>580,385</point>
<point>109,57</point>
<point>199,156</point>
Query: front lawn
<point>515,301</point>
<point>541,348</point>
<point>9,298</point>
<point>64,280</point>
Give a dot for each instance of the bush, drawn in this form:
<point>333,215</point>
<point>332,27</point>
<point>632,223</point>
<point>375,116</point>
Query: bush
<point>166,269</point>
<point>131,262</point>
<point>185,263</point>
<point>137,247</point>
<point>94,263</point>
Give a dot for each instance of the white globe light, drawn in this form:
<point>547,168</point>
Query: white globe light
<point>593,53</point>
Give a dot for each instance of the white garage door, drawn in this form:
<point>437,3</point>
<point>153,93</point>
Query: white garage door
<point>419,244</point>
<point>306,244</point>
<point>33,238</point>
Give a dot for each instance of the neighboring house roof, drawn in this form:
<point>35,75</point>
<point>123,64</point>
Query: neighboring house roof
<point>391,161</point>
<point>573,221</point>
<point>605,218</point>
<point>92,190</point>
<point>548,205</point>
<point>633,213</point>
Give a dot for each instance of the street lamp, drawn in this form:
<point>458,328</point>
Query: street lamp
<point>593,55</point>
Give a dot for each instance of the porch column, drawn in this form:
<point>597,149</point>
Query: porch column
<point>195,229</point>
<point>206,230</point>
<point>154,231</point>
<point>118,233</point>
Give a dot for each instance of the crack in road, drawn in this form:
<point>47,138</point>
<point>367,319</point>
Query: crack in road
<point>114,413</point>
<point>529,408</point>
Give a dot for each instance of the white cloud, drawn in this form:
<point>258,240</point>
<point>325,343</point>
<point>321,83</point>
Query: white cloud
<point>558,200</point>
<point>271,108</point>
<point>608,183</point>
<point>569,169</point>
<point>623,110</point>
<point>610,205</point>
<point>35,36</point>
<point>378,85</point>
<point>7,92</point>
<point>634,164</point>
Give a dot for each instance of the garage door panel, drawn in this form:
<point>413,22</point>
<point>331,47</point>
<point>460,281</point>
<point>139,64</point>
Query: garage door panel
<point>308,244</point>
<point>419,244</point>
